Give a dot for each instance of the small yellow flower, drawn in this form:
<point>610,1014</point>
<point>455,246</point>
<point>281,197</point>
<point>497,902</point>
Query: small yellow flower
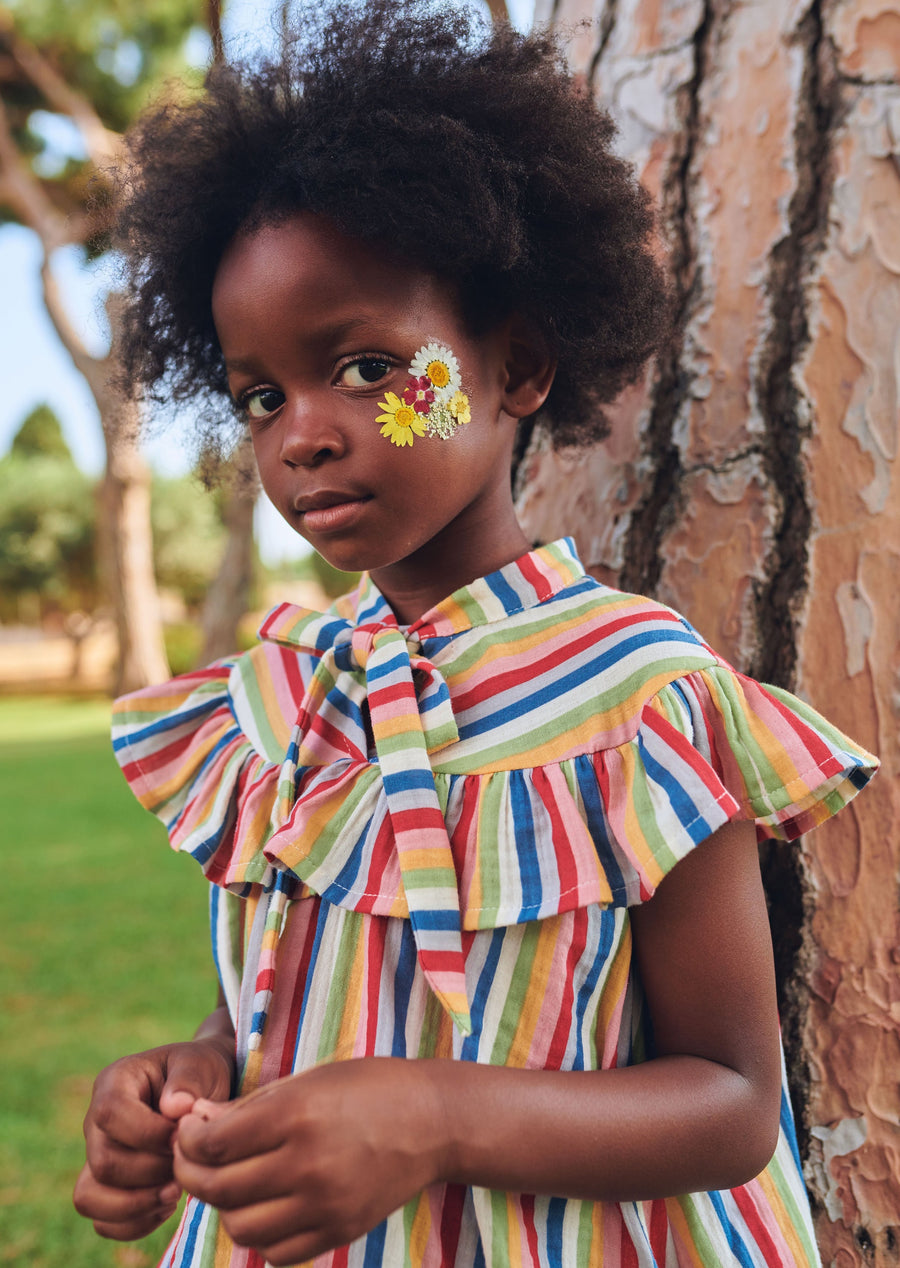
<point>401,421</point>
<point>459,407</point>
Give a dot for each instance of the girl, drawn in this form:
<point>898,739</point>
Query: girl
<point>496,981</point>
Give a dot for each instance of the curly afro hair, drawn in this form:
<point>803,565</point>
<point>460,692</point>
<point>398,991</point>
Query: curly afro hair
<point>467,150</point>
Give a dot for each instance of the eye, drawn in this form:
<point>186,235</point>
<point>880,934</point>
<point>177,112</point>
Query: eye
<point>363,372</point>
<point>261,402</point>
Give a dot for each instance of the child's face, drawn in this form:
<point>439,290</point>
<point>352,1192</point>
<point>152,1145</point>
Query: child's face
<point>316,329</point>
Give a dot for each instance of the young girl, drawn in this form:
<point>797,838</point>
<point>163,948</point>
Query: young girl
<point>496,980</point>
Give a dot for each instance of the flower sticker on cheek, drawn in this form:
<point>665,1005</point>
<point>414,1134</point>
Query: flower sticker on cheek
<point>433,402</point>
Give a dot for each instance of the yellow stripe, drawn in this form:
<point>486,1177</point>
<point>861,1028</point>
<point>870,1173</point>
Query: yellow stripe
<point>350,1014</point>
<point>541,966</point>
<point>420,1230</point>
<point>775,1203</point>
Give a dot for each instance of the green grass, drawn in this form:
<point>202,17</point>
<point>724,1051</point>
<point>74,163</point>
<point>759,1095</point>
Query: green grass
<point>104,951</point>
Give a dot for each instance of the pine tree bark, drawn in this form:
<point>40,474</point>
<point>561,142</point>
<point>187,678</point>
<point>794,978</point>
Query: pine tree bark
<point>752,482</point>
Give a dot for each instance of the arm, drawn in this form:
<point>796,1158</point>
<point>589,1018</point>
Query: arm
<point>127,1185</point>
<point>313,1161</point>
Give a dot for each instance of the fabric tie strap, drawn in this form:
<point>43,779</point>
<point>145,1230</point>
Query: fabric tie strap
<point>382,652</point>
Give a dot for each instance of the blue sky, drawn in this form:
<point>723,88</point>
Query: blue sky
<point>34,367</point>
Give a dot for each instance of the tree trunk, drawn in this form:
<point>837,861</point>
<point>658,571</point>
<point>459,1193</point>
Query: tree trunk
<point>228,598</point>
<point>752,482</point>
<point>126,546</point>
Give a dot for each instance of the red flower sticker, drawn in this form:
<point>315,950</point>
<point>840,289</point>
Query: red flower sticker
<point>419,394</point>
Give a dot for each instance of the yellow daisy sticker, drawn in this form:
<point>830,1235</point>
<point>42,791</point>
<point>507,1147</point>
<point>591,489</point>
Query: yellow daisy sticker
<point>401,422</point>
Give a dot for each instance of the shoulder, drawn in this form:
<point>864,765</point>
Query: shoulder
<point>571,674</point>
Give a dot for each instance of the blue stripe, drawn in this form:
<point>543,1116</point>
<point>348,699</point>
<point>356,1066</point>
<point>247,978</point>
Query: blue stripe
<point>440,920</point>
<point>787,1125</point>
<point>407,781</point>
<point>404,976</point>
<point>321,921</point>
<point>556,686</point>
<point>471,1043</point>
<point>556,1212</point>
<point>598,825</point>
<point>373,1257</point>
<point>607,919</point>
<point>385,668</point>
<point>680,800</point>
<point>168,722</point>
<point>735,1241</point>
<point>512,601</point>
<point>525,846</point>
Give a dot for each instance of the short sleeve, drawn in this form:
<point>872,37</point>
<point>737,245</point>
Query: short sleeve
<point>710,747</point>
<point>784,764</point>
<point>189,763</point>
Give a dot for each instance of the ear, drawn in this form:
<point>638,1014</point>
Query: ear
<point>530,367</point>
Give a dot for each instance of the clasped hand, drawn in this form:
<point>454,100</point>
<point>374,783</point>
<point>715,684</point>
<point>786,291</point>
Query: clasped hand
<point>314,1160</point>
<point>127,1186</point>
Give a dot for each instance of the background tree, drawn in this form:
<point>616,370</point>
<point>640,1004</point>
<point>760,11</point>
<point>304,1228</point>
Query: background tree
<point>46,525</point>
<point>753,482</point>
<point>92,64</point>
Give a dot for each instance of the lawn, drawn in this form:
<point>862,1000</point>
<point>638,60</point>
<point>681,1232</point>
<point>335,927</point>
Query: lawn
<point>104,951</point>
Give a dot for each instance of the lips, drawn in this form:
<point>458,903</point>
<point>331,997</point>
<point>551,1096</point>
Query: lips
<point>331,509</point>
<point>325,498</point>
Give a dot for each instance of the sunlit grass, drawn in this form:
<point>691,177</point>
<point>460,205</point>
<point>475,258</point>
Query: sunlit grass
<point>104,951</point>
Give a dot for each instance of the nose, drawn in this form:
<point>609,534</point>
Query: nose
<point>310,434</point>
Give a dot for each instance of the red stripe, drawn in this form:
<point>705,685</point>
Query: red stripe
<point>391,693</point>
<point>451,1223</point>
<point>526,1203</point>
<point>772,1257</point>
<point>659,1230</point>
<point>543,587</point>
<point>377,932</point>
<point>440,961</point>
<point>558,1044</point>
<point>544,794</point>
<point>301,981</point>
<point>419,821</point>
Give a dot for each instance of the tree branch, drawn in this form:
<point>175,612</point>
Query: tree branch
<point>21,191</point>
<point>214,26</point>
<point>499,11</point>
<point>93,368</point>
<point>103,145</point>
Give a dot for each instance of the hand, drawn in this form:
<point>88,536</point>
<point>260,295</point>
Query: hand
<point>315,1160</point>
<point>127,1186</point>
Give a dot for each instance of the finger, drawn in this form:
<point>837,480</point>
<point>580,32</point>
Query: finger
<point>238,1184</point>
<point>134,1230</point>
<point>122,1211</point>
<point>193,1072</point>
<point>239,1131</point>
<point>277,1223</point>
<point>128,1121</point>
<point>113,1164</point>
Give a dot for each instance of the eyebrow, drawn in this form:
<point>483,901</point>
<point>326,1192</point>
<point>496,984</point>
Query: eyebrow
<point>323,335</point>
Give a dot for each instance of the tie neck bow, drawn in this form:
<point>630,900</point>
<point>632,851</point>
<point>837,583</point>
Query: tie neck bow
<point>388,658</point>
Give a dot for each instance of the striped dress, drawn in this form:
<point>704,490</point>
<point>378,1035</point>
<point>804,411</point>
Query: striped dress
<point>424,842</point>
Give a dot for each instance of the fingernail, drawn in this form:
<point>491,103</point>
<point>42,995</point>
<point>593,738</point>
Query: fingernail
<point>170,1194</point>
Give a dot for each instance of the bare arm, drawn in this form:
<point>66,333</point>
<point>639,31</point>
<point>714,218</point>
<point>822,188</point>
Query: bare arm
<point>315,1160</point>
<point>703,1114</point>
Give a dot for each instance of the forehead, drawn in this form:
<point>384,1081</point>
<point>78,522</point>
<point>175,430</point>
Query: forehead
<point>304,265</point>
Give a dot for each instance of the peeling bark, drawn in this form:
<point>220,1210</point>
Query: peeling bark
<point>752,482</point>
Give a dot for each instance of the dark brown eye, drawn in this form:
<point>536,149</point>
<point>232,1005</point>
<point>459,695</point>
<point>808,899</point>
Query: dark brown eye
<point>363,372</point>
<point>263,401</point>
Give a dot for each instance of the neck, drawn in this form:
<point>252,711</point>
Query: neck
<point>458,556</point>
